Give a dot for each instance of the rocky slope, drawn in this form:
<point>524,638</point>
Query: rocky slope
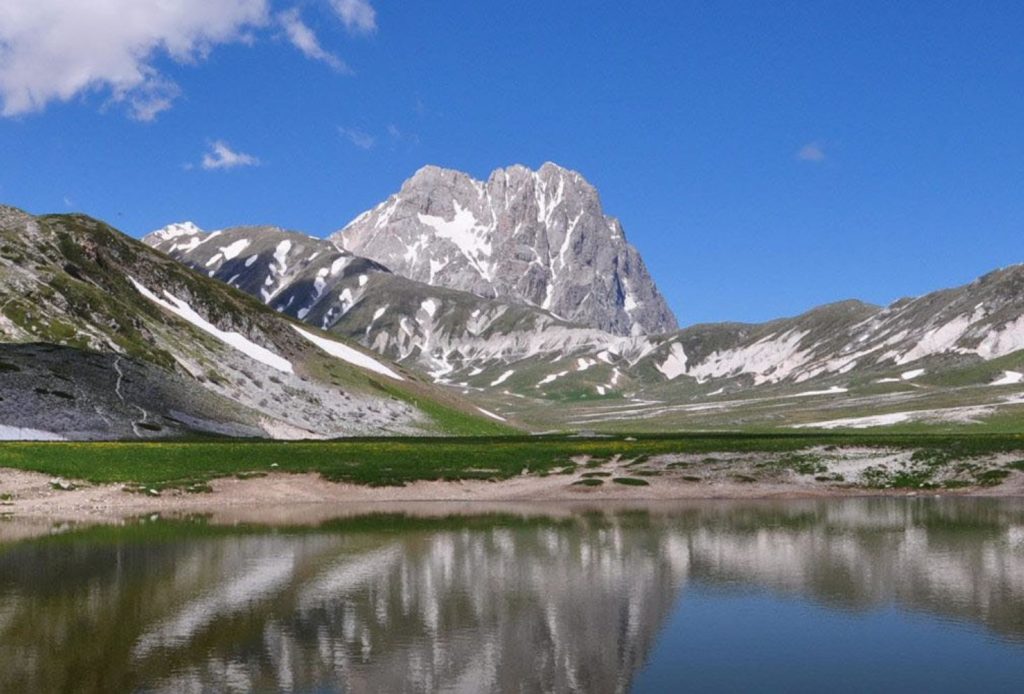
<point>524,295</point>
<point>974,323</point>
<point>445,332</point>
<point>535,237</point>
<point>460,338</point>
<point>289,271</point>
<point>103,337</point>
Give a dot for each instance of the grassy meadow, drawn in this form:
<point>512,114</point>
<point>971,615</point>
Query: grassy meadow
<point>397,461</point>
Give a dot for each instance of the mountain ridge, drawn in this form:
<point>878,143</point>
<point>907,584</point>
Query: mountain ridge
<point>514,357</point>
<point>130,322</point>
<point>483,345</point>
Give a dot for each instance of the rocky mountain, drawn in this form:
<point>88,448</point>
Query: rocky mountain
<point>975,323</point>
<point>522,294</point>
<point>522,360</point>
<point>305,277</point>
<point>951,358</point>
<point>540,238</point>
<point>104,337</point>
<point>453,336</point>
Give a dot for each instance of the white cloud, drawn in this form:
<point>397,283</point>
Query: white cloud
<point>357,15</point>
<point>55,50</point>
<point>812,151</point>
<point>152,97</point>
<point>221,156</point>
<point>360,138</point>
<point>303,38</point>
<point>399,136</point>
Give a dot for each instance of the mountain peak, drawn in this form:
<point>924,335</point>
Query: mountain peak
<point>172,231</point>
<point>540,238</point>
<point>434,174</point>
<point>551,168</point>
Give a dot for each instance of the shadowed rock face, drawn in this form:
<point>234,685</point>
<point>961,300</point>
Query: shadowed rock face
<point>540,237</point>
<point>89,395</point>
<point>305,277</point>
<point>486,603</point>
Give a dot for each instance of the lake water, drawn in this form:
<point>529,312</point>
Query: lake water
<point>840,595</point>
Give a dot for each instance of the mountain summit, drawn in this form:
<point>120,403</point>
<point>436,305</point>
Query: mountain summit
<point>538,237</point>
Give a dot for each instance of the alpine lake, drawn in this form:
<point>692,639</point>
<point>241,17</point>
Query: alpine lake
<point>839,595</point>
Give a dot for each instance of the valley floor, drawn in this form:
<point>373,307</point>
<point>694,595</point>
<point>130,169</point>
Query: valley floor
<point>251,482</point>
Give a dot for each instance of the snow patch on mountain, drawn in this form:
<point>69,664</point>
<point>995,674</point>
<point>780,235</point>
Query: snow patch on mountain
<point>236,340</point>
<point>492,415</point>
<point>939,339</point>
<point>769,360</point>
<point>834,390</point>
<point>551,378</point>
<point>9,433</point>
<point>346,353</point>
<point>502,378</point>
<point>1007,339</point>
<point>232,251</point>
<point>173,231</point>
<point>675,364</point>
<point>965,414</point>
<point>1008,378</point>
<point>467,234</point>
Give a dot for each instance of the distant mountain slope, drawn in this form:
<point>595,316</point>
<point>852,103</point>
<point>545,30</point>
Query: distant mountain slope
<point>291,272</point>
<point>143,345</point>
<point>534,237</point>
<point>460,338</point>
<point>522,294</point>
<point>452,335</point>
<point>980,321</point>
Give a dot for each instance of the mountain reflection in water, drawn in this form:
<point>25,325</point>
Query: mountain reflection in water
<point>511,601</point>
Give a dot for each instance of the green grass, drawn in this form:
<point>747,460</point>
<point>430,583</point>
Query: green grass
<point>631,481</point>
<point>449,420</point>
<point>396,461</point>
<point>803,464</point>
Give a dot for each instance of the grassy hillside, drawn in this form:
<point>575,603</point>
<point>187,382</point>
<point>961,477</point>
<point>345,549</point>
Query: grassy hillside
<point>73,281</point>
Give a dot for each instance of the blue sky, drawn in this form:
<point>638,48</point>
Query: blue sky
<point>764,157</point>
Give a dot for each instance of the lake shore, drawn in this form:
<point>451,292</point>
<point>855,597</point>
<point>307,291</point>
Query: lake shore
<point>276,496</point>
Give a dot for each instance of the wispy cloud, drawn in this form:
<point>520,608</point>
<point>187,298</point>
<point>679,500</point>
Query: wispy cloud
<point>399,136</point>
<point>304,38</point>
<point>358,16</point>
<point>55,50</point>
<point>221,156</point>
<point>813,152</point>
<point>359,138</point>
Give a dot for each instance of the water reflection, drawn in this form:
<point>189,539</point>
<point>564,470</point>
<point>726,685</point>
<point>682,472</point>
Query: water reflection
<point>497,602</point>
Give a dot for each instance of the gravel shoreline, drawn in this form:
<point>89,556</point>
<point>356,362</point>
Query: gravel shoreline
<point>282,495</point>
